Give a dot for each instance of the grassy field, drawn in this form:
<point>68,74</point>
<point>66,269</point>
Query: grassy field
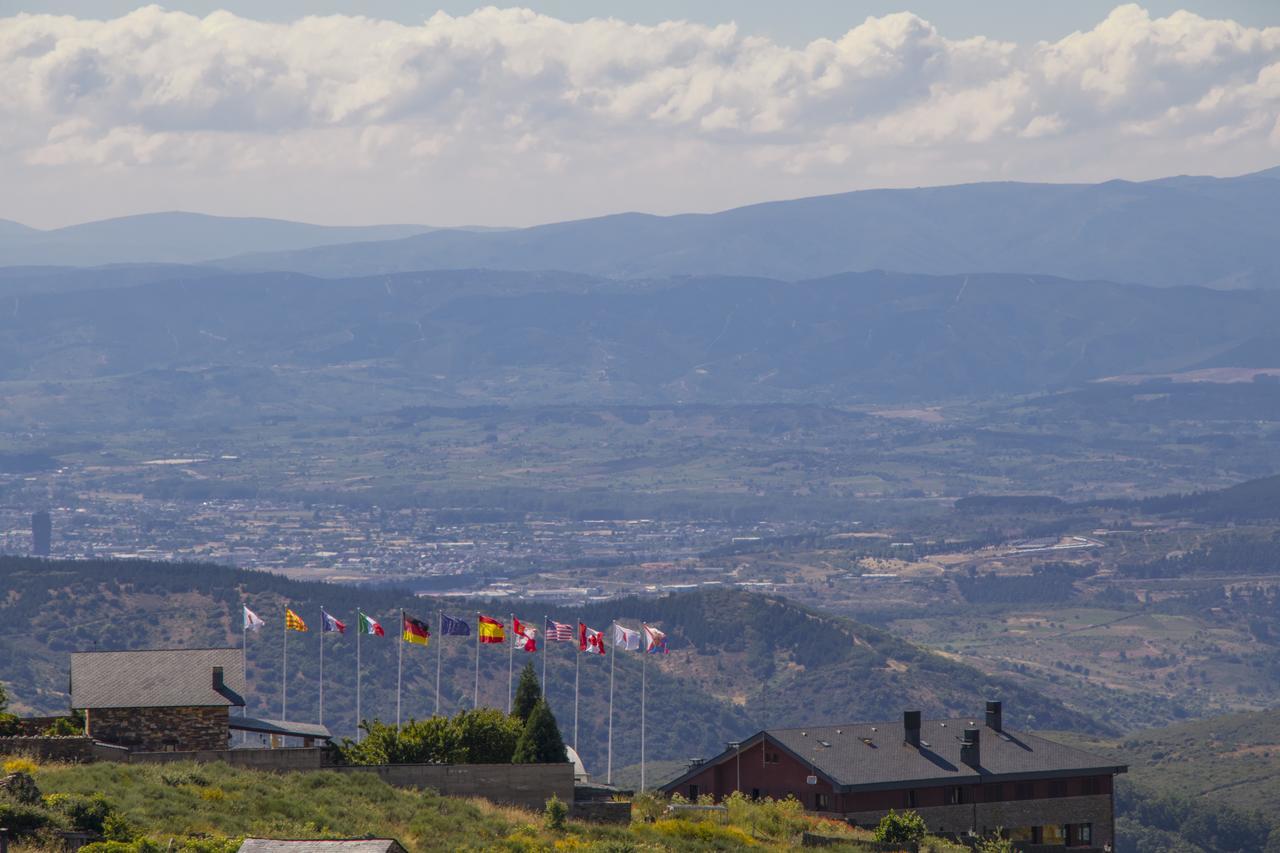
<point>208,808</point>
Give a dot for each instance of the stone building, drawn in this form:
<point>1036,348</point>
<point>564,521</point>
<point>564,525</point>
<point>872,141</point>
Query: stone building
<point>168,700</point>
<point>961,775</point>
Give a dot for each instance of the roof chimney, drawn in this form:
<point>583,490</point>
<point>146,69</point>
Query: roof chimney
<point>970,749</point>
<point>911,728</point>
<point>217,678</point>
<point>995,716</point>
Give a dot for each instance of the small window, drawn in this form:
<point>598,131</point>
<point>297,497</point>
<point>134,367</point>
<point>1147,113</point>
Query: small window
<point>1090,787</point>
<point>955,795</point>
<point>755,793</point>
<point>1058,788</point>
<point>1084,833</point>
<point>1024,791</point>
<point>693,792</point>
<point>911,799</point>
<point>993,793</point>
<point>770,757</point>
<point>822,802</point>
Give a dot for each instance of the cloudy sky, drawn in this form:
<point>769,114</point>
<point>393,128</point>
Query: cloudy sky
<point>523,115</point>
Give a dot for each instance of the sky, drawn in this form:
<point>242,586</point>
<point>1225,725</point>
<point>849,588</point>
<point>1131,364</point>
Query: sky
<point>451,113</point>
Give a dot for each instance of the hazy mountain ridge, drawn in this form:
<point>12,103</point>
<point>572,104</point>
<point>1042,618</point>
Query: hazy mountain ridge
<point>175,237</point>
<point>856,336</point>
<point>1212,232</point>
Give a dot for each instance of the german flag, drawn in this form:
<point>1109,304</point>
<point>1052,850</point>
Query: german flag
<point>293,622</point>
<point>415,630</point>
<point>491,630</point>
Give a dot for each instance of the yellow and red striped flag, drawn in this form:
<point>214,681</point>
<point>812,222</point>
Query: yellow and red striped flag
<point>293,622</point>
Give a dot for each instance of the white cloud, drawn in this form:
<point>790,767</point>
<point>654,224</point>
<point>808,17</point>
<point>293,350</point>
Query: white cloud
<point>510,116</point>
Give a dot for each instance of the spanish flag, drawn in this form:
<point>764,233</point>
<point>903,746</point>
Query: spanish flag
<point>491,630</point>
<point>415,630</point>
<point>293,622</point>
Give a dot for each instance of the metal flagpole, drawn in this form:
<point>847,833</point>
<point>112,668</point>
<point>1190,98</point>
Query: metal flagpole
<point>359,628</point>
<point>439,652</point>
<point>511,661</point>
<point>475,696</point>
<point>644,687</point>
<point>613,659</point>
<point>577,667</point>
<point>322,627</point>
<point>399,669</point>
<point>545,642</point>
<point>284,672</point>
<point>244,663</point>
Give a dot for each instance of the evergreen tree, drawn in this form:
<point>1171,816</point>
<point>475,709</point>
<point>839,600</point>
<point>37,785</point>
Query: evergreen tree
<point>540,743</point>
<point>528,694</point>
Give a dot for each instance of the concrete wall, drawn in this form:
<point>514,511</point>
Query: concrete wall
<point>526,785</point>
<point>77,750</point>
<point>274,760</point>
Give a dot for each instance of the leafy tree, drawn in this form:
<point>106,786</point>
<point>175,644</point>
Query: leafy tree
<point>487,736</point>
<point>483,736</point>
<point>540,743</point>
<point>528,693</point>
<point>901,828</point>
<point>8,722</point>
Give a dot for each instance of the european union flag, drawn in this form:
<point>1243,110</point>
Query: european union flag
<point>456,627</point>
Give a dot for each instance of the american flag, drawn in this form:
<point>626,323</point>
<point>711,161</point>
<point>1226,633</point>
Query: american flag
<point>561,632</point>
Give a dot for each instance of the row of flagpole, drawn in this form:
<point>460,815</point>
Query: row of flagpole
<point>648,640</point>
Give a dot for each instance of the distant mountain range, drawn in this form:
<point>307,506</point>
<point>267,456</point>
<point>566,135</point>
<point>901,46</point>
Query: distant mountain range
<point>535,337</point>
<point>175,238</point>
<point>1177,231</point>
<point>1212,232</point>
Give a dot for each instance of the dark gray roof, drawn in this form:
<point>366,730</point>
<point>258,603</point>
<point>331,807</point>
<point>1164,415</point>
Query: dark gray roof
<point>355,845</point>
<point>279,727</point>
<point>874,756</point>
<point>162,678</point>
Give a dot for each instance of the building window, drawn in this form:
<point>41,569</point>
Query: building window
<point>821,802</point>
<point>1055,834</point>
<point>755,793</point>
<point>1084,833</point>
<point>693,793</point>
<point>955,795</point>
<point>1024,791</point>
<point>770,757</point>
<point>993,793</point>
<point>1090,787</point>
<point>911,799</point>
<point>1058,788</point>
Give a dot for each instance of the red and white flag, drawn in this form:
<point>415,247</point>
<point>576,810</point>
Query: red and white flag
<point>526,635</point>
<point>560,632</point>
<point>589,640</point>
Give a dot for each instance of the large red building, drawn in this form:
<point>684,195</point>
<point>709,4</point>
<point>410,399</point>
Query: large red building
<point>961,775</point>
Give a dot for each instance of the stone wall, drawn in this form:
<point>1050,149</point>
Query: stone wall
<point>161,729</point>
<point>74,750</point>
<point>271,760</point>
<point>986,817</point>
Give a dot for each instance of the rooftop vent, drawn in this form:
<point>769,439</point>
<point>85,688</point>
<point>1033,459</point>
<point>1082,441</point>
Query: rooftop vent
<point>911,728</point>
<point>995,716</point>
<point>970,749</point>
<point>218,682</point>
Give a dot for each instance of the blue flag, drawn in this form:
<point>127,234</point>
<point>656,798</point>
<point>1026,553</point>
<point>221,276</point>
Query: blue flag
<point>456,627</point>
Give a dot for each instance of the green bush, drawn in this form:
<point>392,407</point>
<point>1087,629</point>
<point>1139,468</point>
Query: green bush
<point>901,828</point>
<point>555,814</point>
<point>116,828</point>
<point>483,736</point>
<point>647,807</point>
<point>25,819</point>
<point>86,813</point>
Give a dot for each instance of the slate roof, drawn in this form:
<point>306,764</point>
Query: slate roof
<point>279,727</point>
<point>160,678</point>
<point>355,845</point>
<point>873,756</point>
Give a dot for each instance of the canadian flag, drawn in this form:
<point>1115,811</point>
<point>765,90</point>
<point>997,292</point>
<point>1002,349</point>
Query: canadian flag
<point>589,640</point>
<point>527,633</point>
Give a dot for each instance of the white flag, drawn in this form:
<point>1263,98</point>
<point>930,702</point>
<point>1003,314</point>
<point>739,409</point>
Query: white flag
<point>625,638</point>
<point>251,620</point>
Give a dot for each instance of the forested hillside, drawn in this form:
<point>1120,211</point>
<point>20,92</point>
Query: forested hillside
<point>738,661</point>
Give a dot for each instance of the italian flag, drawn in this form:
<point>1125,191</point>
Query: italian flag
<point>370,626</point>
